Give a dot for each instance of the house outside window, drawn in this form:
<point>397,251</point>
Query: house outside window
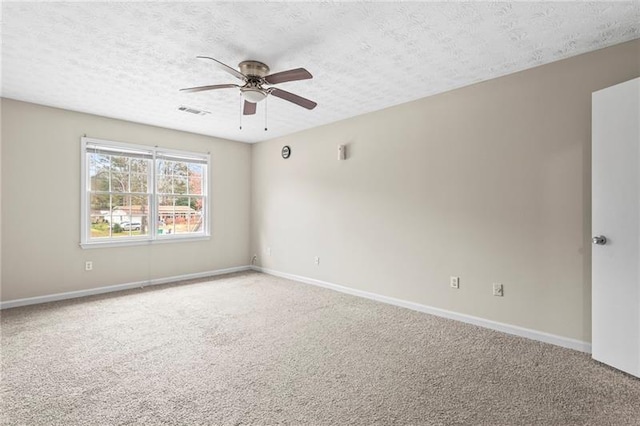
<point>133,194</point>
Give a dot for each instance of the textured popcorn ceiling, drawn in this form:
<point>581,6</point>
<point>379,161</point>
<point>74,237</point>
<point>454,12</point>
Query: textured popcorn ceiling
<point>128,60</point>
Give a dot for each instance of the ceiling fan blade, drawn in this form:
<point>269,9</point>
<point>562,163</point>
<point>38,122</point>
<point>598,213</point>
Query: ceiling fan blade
<point>213,87</point>
<point>249,108</point>
<point>298,100</point>
<point>224,67</point>
<point>291,75</point>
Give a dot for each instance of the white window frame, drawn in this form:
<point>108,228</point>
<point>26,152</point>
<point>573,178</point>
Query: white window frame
<point>153,237</point>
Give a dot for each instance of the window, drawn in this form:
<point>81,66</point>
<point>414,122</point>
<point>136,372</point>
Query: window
<point>138,194</point>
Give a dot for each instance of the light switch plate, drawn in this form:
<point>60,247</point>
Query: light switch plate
<point>498,289</point>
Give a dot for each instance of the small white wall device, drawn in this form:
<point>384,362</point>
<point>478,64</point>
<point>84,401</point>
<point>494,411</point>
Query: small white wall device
<point>342,152</point>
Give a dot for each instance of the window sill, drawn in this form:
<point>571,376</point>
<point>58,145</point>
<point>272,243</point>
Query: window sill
<point>128,243</point>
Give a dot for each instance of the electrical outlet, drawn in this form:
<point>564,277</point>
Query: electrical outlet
<point>88,265</point>
<point>316,260</point>
<point>268,251</point>
<point>498,289</point>
<point>454,282</point>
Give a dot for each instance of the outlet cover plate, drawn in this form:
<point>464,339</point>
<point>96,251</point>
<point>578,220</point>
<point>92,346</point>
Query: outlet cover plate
<point>454,282</point>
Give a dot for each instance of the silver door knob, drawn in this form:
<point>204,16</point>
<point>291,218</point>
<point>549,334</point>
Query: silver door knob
<point>599,240</point>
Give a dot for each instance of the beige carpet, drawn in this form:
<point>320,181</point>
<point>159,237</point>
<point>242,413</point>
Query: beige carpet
<point>254,349</point>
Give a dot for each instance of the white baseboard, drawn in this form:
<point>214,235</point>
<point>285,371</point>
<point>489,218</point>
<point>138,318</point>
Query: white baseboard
<point>553,339</point>
<point>118,287</point>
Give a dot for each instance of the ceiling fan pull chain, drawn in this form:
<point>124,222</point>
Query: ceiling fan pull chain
<point>241,103</point>
<point>265,114</point>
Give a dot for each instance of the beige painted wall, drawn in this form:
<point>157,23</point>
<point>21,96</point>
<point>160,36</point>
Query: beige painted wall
<point>490,182</point>
<point>0,199</point>
<point>41,205</point>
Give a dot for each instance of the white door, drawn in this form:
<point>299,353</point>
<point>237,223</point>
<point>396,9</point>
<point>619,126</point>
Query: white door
<point>616,226</point>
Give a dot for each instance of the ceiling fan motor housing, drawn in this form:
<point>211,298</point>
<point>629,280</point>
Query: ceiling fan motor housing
<point>253,91</point>
<point>253,69</point>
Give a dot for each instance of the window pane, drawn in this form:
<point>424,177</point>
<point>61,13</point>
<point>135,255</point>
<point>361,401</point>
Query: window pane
<point>164,184</point>
<point>100,181</point>
<point>197,204</point>
<point>119,173</point>
<point>99,226</point>
<point>164,167</point>
<point>98,162</point>
<point>178,215</point>
<point>180,168</point>
<point>119,181</point>
<point>138,182</point>
<point>100,204</point>
<point>121,204</point>
<point>195,185</point>
<point>172,177</point>
<point>180,185</point>
<point>195,218</point>
<point>139,165</point>
<point>195,169</point>
<point>166,214</point>
<point>120,214</point>
<point>99,172</point>
<point>139,175</point>
<point>140,206</point>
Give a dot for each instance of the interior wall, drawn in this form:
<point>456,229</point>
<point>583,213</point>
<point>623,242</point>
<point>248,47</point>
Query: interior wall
<point>41,205</point>
<point>0,194</point>
<point>490,182</point>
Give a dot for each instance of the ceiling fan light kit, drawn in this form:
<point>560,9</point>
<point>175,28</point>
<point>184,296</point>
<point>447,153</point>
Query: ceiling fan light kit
<point>253,94</point>
<point>255,75</point>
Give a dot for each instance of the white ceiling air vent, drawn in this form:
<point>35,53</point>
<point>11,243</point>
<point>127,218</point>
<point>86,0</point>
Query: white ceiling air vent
<point>192,110</point>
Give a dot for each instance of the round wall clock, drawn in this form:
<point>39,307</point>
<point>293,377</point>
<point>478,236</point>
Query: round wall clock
<point>286,152</point>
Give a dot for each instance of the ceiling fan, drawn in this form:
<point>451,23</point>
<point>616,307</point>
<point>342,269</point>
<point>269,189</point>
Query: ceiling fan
<point>255,75</point>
